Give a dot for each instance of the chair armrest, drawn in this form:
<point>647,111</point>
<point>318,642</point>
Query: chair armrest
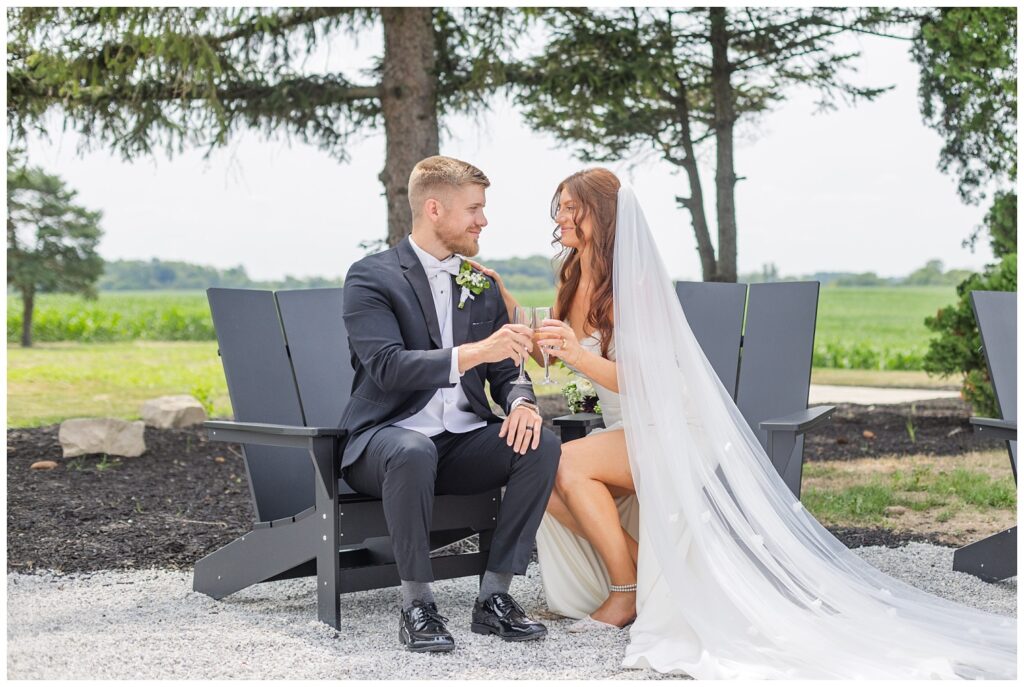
<point>578,425</point>
<point>801,421</point>
<point>286,430</point>
<point>996,428</point>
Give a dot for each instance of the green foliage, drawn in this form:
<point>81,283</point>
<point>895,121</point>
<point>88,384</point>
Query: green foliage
<point>1001,223</point>
<point>968,91</point>
<point>117,317</point>
<point>932,274</point>
<point>139,275</point>
<point>202,391</point>
<point>957,348</point>
<point>618,82</point>
<point>863,355</point>
<point>137,78</point>
<point>51,241</point>
<point>968,61</point>
<point>140,78</point>
<point>861,279</point>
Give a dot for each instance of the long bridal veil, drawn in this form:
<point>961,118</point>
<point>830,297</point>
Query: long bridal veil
<point>761,587</point>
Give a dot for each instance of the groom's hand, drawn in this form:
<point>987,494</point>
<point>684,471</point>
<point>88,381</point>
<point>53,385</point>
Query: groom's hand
<point>523,429</point>
<point>513,341</point>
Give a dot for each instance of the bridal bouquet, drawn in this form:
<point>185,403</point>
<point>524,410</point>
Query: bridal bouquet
<point>581,397</point>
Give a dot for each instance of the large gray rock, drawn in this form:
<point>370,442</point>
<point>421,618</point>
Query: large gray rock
<point>102,435</point>
<point>169,412</point>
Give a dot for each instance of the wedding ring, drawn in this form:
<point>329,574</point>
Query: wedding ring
<point>529,429</point>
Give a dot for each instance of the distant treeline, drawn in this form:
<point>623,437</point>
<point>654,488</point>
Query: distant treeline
<point>932,274</point>
<point>521,274</point>
<point>142,275</point>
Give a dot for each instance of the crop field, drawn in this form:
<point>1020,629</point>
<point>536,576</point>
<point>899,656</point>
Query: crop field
<point>105,357</point>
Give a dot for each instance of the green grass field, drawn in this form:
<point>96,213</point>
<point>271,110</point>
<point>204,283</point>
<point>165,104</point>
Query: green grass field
<point>119,359</point>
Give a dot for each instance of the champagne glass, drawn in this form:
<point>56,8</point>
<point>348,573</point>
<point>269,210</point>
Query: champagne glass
<point>541,314</point>
<point>523,315</point>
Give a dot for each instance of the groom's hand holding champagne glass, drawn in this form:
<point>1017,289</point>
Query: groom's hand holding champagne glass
<point>513,341</point>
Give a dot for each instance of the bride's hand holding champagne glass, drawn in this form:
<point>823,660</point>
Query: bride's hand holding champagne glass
<point>561,340</point>
<point>541,315</point>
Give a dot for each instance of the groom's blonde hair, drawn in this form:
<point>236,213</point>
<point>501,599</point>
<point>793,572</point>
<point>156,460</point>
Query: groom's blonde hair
<point>434,177</point>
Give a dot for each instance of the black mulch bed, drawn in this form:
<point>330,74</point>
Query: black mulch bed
<point>187,496</point>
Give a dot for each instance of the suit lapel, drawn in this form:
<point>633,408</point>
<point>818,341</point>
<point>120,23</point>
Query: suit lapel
<point>460,318</point>
<point>413,271</point>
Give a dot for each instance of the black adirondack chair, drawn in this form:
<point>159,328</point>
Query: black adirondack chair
<point>766,367</point>
<point>287,364</point>
<point>995,557</point>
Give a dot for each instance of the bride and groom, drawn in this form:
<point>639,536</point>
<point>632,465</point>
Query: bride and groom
<point>670,521</point>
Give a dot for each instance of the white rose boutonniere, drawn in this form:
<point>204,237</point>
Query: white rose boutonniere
<point>472,282</point>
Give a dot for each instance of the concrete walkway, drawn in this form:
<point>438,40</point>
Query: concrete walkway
<point>868,395</point>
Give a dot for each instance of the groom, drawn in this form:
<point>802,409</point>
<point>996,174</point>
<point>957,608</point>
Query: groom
<point>419,423</point>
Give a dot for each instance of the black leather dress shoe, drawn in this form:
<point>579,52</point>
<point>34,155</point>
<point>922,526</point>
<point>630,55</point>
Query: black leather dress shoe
<point>501,615</point>
<point>421,628</point>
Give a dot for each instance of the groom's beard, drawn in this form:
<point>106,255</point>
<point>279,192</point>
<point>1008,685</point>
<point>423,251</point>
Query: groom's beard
<point>461,242</point>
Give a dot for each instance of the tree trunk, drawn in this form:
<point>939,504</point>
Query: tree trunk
<point>28,300</point>
<point>725,117</point>
<point>695,203</point>
<point>408,98</point>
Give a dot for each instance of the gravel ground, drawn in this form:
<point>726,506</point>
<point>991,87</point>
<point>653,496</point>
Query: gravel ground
<point>149,624</point>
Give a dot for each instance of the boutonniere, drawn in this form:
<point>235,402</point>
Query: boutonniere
<point>472,282</point>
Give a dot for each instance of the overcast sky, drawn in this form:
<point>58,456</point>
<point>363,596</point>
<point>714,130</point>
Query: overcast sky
<point>850,190</point>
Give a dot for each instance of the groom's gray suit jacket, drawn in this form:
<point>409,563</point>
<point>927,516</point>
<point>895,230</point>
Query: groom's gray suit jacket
<point>395,341</point>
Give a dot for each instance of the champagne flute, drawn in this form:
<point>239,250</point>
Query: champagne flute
<point>542,314</point>
<point>523,315</point>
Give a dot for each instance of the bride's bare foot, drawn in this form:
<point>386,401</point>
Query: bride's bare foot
<point>618,609</point>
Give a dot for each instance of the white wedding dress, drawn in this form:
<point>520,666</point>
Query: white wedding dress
<point>735,578</point>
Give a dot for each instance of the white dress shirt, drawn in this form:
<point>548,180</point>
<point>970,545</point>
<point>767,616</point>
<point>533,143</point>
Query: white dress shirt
<point>448,409</point>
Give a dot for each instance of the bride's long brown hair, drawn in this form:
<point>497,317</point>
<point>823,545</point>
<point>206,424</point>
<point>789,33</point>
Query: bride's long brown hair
<point>596,192</point>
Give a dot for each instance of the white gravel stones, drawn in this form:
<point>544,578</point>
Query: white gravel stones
<point>150,624</point>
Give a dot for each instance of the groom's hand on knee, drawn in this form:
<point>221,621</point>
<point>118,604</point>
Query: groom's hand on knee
<point>522,427</point>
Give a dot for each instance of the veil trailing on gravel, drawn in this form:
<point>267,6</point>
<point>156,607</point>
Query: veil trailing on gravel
<point>736,578</point>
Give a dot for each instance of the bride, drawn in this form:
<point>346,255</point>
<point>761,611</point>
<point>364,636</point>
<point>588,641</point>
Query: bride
<point>725,573</point>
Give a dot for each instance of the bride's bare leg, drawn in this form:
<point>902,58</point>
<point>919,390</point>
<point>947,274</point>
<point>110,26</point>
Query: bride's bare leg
<point>631,544</point>
<point>561,513</point>
<point>588,467</point>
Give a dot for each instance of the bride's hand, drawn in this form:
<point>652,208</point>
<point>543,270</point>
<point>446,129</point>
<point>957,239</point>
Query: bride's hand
<point>510,303</point>
<point>559,340</point>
